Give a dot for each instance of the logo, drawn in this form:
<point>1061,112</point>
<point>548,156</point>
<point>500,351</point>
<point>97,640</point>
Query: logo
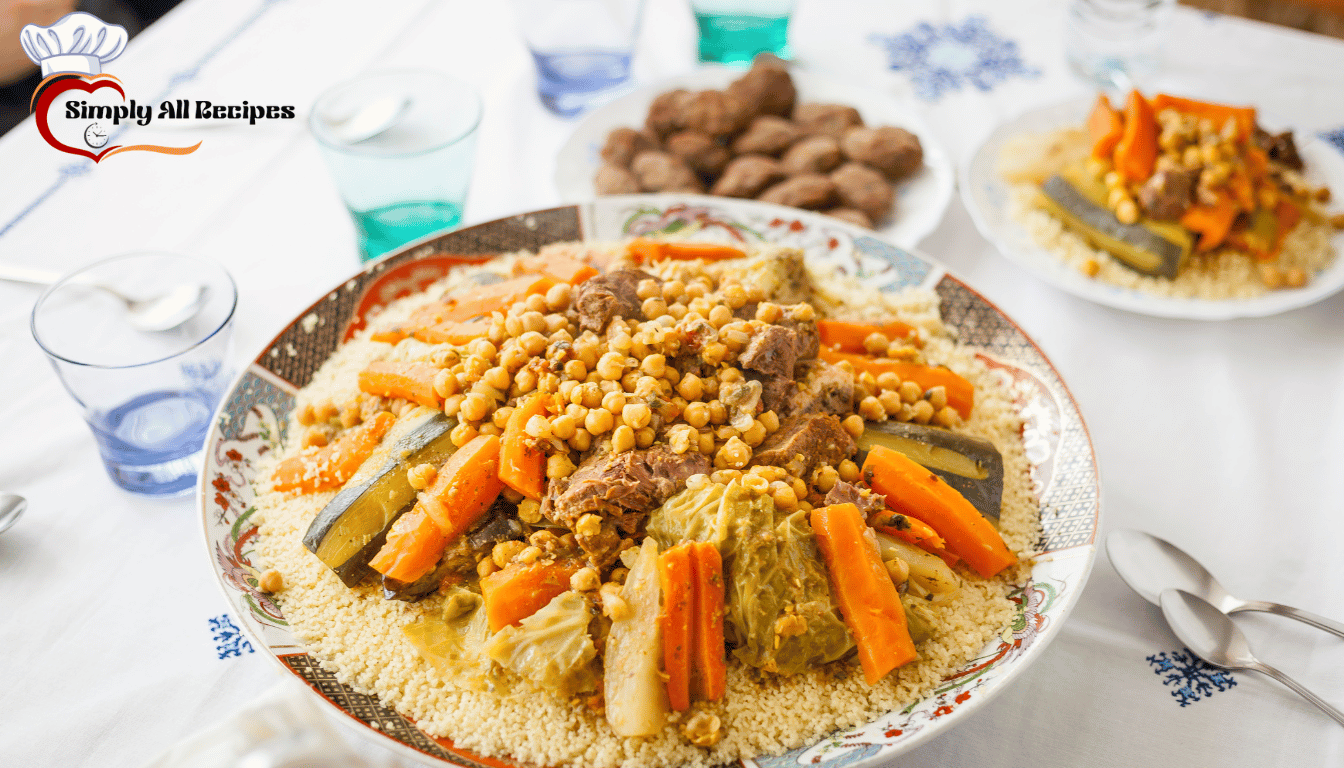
<point>81,110</point>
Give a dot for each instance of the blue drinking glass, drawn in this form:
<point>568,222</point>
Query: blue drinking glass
<point>582,49</point>
<point>148,396</point>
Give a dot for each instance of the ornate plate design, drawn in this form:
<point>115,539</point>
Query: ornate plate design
<point>253,416</point>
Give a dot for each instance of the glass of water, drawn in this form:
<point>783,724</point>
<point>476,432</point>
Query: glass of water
<point>582,49</point>
<point>148,396</point>
<point>1113,43</point>
<point>734,31</point>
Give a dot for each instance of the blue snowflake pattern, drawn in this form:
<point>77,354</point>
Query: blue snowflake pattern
<point>1193,678</point>
<point>229,641</point>
<point>1335,137</point>
<point>947,57</point>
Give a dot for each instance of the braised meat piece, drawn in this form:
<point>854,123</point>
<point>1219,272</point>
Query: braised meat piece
<point>621,486</point>
<point>772,352</point>
<point>767,135</point>
<point>847,493</point>
<point>1280,147</point>
<point>804,443</point>
<point>623,144</point>
<point>666,112</point>
<point>895,152</point>
<point>808,341</point>
<point>822,388</point>
<point>611,295</point>
<point>664,172</point>
<point>775,393</point>
<point>1166,194</point>
<point>716,113</point>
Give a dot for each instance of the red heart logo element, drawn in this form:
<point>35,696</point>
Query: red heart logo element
<point>55,89</point>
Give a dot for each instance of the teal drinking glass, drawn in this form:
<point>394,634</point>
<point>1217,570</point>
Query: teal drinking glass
<point>734,31</point>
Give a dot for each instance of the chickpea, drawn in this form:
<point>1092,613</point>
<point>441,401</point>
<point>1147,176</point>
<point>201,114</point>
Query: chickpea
<point>696,414</point>
<point>676,311</point>
<point>689,387</point>
<point>1295,277</point>
<point>599,420</point>
<point>1271,276</point>
<point>728,375</point>
<point>718,414</point>
<point>271,581</point>
<point>849,471</point>
<point>563,426</point>
<point>462,434</point>
<point>679,439</point>
<point>1113,180</point>
<point>898,570</point>
<point>871,409</point>
<point>1191,157</point>
<point>769,312</point>
<point>891,402</point>
<point>525,380</point>
<point>755,434</point>
<point>653,308</point>
<point>946,417</point>
<point>786,499</point>
<point>725,476</point>
<point>584,580</point>
<point>888,380</point>
<point>558,465</point>
<point>923,412</point>
<point>558,297</point>
<point>647,289</point>
<point>592,396</point>
<point>498,377</point>
<point>769,420</point>
<point>726,433</point>
<point>486,567</point>
<point>910,392</point>
<point>513,326</point>
<point>539,427</point>
<point>825,478</point>
<point>475,367</point>
<point>804,313</point>
<point>713,352</point>
<point>613,605</point>
<point>853,424</point>
<point>451,405</point>
<point>645,437</point>
<point>706,443</point>
<point>636,415</point>
<point>505,551</point>
<point>621,343</point>
<point>581,441</point>
<point>614,402</point>
<point>611,366</point>
<point>529,511</point>
<point>532,342</point>
<point>476,407</point>
<point>696,290</point>
<point>654,365</point>
<point>876,343</point>
<point>1115,197</point>
<point>735,453</point>
<point>421,476</point>
<point>482,348</point>
<point>720,315</point>
<point>756,483</point>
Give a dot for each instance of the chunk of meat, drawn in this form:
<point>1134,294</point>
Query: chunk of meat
<point>767,88</point>
<point>611,295</point>
<point>1280,147</point>
<point>809,190</point>
<point>815,154</point>
<point>822,388</point>
<point>767,135</point>
<point>807,340</point>
<point>716,113</point>
<point>747,175</point>
<point>664,172</point>
<point>831,119</point>
<point>895,152</point>
<point>848,493</point>
<point>851,215</point>
<point>859,186</point>
<point>804,443</point>
<point>772,352</point>
<point>667,112</point>
<point>776,392</point>
<point>621,486</point>
<point>1166,195</point>
<point>624,143</point>
<point>699,151</point>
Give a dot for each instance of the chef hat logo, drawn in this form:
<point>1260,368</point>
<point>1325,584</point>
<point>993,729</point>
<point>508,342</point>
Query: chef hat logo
<point>79,43</point>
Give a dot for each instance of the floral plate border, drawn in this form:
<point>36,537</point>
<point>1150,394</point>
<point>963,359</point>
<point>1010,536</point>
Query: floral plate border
<point>251,422</point>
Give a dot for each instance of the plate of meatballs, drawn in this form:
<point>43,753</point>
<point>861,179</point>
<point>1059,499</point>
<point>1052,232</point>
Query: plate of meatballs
<point>771,134</point>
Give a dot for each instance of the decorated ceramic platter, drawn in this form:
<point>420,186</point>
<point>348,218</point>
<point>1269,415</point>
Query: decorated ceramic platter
<point>989,199</point>
<point>253,417</point>
<point>921,198</point>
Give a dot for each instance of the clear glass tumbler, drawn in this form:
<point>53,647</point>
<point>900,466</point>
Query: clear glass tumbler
<point>582,49</point>
<point>734,31</point>
<point>148,396</point>
<point>411,178</point>
<point>1113,43</point>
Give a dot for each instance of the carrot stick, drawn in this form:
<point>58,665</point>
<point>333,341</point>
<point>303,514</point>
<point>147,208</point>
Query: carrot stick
<point>389,335</point>
<point>645,251</point>
<point>677,580</point>
<point>1212,222</point>
<point>915,491</point>
<point>331,465</point>
<point>464,488</point>
<point>1287,214</point>
<point>522,463</point>
<point>561,269</point>
<point>709,670</point>
<point>906,528</point>
<point>412,381</point>
<point>1106,126</point>
<point>498,296</point>
<point>1218,113</point>
<point>868,600</point>
<point>1239,184</point>
<point>960,392</point>
<point>453,332</point>
<point>1136,151</point>
<point>848,337</point>
<point>522,589</point>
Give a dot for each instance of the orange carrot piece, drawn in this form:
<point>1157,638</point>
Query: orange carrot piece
<point>388,335</point>
<point>522,463</point>
<point>848,337</point>
<point>498,296</point>
<point>645,251</point>
<point>522,589</point>
<point>1257,163</point>
<point>960,392</point>
<point>1136,152</point>
<point>1106,125</point>
<point>1218,113</point>
<point>453,332</point>
<point>561,269</point>
<point>330,466</point>
<point>412,381</point>
<point>1212,222</point>
<point>709,669</point>
<point>1288,215</point>
<point>465,487</point>
<point>1239,185</point>
<point>677,579</point>
<point>915,491</point>
<point>868,600</point>
<point>907,528</point>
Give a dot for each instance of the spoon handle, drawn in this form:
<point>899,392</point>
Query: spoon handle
<point>1320,622</point>
<point>1303,692</point>
<point>25,275</point>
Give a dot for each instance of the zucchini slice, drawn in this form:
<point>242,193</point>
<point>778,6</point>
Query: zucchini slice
<point>1150,247</point>
<point>349,531</point>
<point>972,466</point>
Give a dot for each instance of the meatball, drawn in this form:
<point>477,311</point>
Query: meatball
<point>830,119</point>
<point>715,113</point>
<point>815,154</point>
<point>810,190</point>
<point>767,88</point>
<point>767,135</point>
<point>623,144</point>
<point>859,186</point>
<point>851,215</point>
<point>893,151</point>
<point>747,175</point>
<point>667,112</point>
<point>615,180</point>
<point>664,172</point>
<point>700,151</point>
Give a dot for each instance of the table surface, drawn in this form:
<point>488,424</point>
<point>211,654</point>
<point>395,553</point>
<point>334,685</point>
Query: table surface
<point>1222,437</point>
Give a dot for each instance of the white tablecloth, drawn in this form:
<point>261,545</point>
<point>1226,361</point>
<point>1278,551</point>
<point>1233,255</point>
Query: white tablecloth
<point>1227,438</point>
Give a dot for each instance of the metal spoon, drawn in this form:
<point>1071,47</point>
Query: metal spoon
<point>1149,565</point>
<point>156,313</point>
<point>369,120</point>
<point>1213,637</point>
<point>12,506</point>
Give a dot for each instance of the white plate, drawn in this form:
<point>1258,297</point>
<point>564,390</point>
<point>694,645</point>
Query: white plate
<point>986,196</point>
<point>920,199</point>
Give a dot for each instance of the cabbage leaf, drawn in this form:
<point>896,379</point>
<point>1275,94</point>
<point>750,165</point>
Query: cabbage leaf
<point>551,649</point>
<point>453,642</point>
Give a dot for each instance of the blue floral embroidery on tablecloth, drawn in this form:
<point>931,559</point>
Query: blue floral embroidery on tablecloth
<point>946,57</point>
<point>229,640</point>
<point>1192,678</point>
<point>1335,137</point>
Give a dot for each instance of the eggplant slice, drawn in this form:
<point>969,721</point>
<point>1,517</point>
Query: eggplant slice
<point>972,466</point>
